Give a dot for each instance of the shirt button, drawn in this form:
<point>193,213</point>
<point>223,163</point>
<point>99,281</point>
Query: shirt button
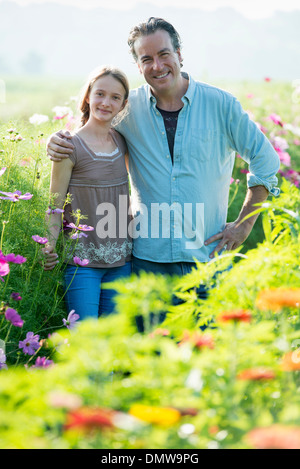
<point>174,179</point>
<point>168,156</point>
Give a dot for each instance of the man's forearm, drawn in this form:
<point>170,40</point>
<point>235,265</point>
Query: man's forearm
<point>255,195</point>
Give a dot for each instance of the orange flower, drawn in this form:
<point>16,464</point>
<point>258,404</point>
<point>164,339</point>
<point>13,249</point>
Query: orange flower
<point>291,361</point>
<point>89,418</point>
<point>276,298</point>
<point>198,339</point>
<point>158,415</point>
<point>239,315</point>
<point>256,374</point>
<point>276,436</point>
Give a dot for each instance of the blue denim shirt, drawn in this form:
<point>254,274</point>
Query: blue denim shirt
<point>178,206</point>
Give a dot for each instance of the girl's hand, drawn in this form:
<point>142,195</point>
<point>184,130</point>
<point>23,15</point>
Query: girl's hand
<point>51,258</point>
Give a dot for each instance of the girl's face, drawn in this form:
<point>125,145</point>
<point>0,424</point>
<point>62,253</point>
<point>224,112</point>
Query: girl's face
<point>106,99</point>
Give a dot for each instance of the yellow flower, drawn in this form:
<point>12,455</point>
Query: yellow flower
<point>157,415</point>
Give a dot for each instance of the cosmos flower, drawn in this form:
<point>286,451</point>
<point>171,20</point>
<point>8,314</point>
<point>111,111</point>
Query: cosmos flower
<point>42,362</point>
<point>30,344</point>
<point>275,118</point>
<point>54,210</point>
<point>16,296</point>
<point>13,258</point>
<point>38,119</point>
<point>39,239</point>
<point>2,171</point>
<point>80,227</point>
<point>81,263</point>
<point>15,196</point>
<point>71,319</point>
<point>4,269</point>
<point>13,316</point>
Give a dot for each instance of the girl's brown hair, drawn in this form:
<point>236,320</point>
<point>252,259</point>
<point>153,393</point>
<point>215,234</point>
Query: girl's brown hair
<point>116,73</point>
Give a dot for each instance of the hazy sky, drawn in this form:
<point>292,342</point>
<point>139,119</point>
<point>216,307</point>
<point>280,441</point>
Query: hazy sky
<point>249,8</point>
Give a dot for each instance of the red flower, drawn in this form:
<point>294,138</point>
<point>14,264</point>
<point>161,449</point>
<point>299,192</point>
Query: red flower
<point>276,436</point>
<point>256,374</point>
<point>239,315</point>
<point>89,418</point>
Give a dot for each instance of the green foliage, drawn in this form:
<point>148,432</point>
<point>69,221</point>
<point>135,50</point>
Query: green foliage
<point>205,377</point>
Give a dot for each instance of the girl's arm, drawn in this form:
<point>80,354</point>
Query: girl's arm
<point>60,178</point>
<point>127,161</point>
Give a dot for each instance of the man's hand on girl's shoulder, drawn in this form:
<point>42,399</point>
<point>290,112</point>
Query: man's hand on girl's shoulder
<point>59,146</point>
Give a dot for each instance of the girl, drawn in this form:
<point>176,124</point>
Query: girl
<point>96,178</point>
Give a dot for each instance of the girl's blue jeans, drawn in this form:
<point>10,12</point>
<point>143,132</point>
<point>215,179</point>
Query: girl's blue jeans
<point>85,293</point>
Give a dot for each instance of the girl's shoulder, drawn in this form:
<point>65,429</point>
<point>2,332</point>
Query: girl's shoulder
<point>120,140</point>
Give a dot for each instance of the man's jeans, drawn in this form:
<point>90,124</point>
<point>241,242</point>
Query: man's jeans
<point>173,269</point>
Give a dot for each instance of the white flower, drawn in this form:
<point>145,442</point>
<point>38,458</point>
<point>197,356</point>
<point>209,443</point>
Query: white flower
<point>194,380</point>
<point>61,111</point>
<point>38,119</point>
<point>186,430</point>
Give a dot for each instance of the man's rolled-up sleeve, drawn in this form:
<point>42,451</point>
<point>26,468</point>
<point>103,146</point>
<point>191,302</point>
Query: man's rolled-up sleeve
<point>253,146</point>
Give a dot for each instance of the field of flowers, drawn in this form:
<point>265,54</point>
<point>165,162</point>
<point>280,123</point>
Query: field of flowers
<point>221,373</point>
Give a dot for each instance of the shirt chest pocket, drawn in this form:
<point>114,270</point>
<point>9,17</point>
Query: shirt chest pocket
<point>203,144</point>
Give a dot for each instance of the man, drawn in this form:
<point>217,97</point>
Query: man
<point>182,136</point>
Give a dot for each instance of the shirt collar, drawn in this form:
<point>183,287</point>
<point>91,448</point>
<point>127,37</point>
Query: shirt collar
<point>188,96</point>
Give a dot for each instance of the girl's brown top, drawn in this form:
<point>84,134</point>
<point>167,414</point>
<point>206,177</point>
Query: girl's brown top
<point>99,188</point>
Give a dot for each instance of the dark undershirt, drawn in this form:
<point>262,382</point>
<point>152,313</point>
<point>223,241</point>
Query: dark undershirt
<point>170,120</point>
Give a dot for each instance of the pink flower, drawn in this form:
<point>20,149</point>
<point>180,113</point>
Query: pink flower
<point>80,262</point>
<point>291,175</point>
<point>279,143</point>
<point>42,362</point>
<point>78,234</point>
<point>54,210</point>
<point>4,269</point>
<point>267,79</point>
<point>12,258</point>
<point>250,95</point>
<point>296,141</point>
<point>284,157</point>
<point>276,119</point>
<point>79,230</point>
<point>2,171</point>
<point>80,227</point>
<point>15,196</point>
<point>30,344</point>
<point>39,240</point>
<point>71,319</point>
<point>16,296</point>
<point>13,316</point>
<point>15,259</point>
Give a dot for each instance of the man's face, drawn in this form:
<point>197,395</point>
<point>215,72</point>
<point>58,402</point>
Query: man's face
<point>158,61</point>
